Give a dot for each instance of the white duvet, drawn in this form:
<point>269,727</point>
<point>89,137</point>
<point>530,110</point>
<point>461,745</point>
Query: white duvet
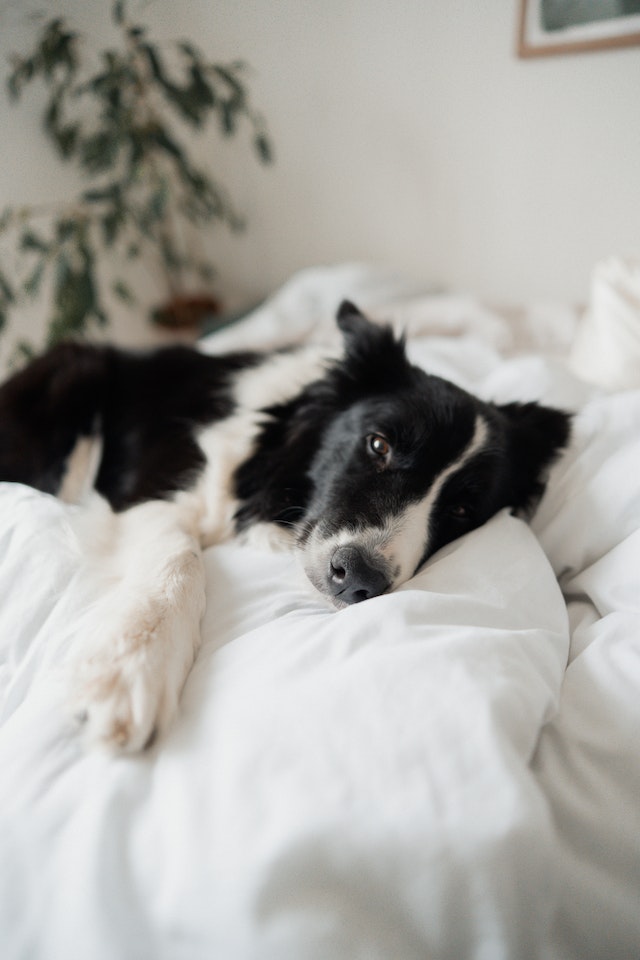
<point>449,771</point>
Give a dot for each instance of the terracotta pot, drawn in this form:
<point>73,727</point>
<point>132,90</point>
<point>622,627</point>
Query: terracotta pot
<point>186,312</point>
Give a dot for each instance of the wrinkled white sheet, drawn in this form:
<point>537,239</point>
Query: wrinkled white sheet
<point>451,771</point>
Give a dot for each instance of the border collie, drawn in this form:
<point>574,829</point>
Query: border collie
<point>365,463</point>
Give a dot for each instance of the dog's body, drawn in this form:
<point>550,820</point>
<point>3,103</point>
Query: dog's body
<point>366,464</point>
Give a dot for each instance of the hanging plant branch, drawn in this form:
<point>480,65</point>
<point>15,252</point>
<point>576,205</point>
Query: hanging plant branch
<point>120,125</point>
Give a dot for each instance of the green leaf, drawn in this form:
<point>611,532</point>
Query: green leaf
<point>155,62</point>
<point>170,256</point>
<point>188,49</point>
<point>65,228</point>
<point>57,48</point>
<point>162,139</point>
<point>31,285</point>
<point>75,293</point>
<point>6,290</point>
<point>110,225</point>
<point>263,148</point>
<point>199,90</point>
<point>227,74</point>
<point>66,140</point>
<point>191,100</point>
<point>31,241</point>
<point>64,136</point>
<point>123,292</point>
<point>98,152</point>
<point>20,76</point>
<point>206,272</point>
<point>157,204</point>
<point>112,193</point>
<point>23,352</point>
<point>228,118</point>
<point>52,113</point>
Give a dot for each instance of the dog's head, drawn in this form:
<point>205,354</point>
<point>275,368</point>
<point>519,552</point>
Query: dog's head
<point>407,462</point>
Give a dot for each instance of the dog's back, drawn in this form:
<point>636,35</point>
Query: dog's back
<point>45,409</point>
<point>141,408</point>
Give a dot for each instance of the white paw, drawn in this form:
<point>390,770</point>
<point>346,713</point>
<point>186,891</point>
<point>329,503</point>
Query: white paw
<point>119,710</point>
<point>126,690</point>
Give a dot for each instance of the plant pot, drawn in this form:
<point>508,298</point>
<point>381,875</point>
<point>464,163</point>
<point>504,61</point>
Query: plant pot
<point>186,312</point>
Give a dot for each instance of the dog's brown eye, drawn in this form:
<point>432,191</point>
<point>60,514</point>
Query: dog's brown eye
<point>460,512</point>
<point>379,446</point>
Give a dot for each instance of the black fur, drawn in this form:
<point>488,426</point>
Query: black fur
<point>146,406</point>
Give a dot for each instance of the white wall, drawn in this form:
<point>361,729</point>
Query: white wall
<point>411,134</point>
<point>406,133</point>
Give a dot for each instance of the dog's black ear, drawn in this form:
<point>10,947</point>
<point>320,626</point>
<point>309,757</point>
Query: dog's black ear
<point>537,435</point>
<point>374,356</point>
<point>349,317</point>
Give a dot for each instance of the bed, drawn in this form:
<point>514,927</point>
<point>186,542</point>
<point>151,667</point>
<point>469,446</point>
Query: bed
<point>449,771</point>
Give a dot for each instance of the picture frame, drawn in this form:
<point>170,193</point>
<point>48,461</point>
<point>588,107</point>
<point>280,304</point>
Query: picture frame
<point>552,27</point>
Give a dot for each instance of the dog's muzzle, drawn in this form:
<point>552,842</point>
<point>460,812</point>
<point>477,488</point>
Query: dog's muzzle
<point>353,575</point>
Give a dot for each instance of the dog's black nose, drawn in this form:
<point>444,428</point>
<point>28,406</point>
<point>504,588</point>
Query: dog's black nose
<point>353,576</point>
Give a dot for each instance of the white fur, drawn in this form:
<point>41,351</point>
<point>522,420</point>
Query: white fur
<point>81,470</point>
<point>146,566</point>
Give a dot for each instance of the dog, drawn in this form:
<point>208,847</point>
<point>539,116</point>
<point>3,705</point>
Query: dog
<point>365,465</point>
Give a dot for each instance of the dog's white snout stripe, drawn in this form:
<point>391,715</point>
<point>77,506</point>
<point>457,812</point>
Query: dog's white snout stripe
<point>412,528</point>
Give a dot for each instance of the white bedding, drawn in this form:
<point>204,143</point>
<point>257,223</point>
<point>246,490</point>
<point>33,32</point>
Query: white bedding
<point>450,771</point>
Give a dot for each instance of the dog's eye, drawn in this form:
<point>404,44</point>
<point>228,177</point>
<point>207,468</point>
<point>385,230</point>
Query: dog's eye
<point>379,446</point>
<point>460,511</point>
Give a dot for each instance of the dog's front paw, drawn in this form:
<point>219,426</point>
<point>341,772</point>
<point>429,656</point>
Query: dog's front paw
<point>126,690</point>
<point>119,708</point>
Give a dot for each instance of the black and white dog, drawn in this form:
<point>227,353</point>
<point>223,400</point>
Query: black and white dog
<point>365,463</point>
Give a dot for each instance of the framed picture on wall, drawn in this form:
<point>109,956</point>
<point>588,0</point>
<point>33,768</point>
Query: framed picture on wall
<point>572,26</point>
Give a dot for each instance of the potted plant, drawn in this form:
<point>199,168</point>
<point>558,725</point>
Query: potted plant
<point>122,125</point>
